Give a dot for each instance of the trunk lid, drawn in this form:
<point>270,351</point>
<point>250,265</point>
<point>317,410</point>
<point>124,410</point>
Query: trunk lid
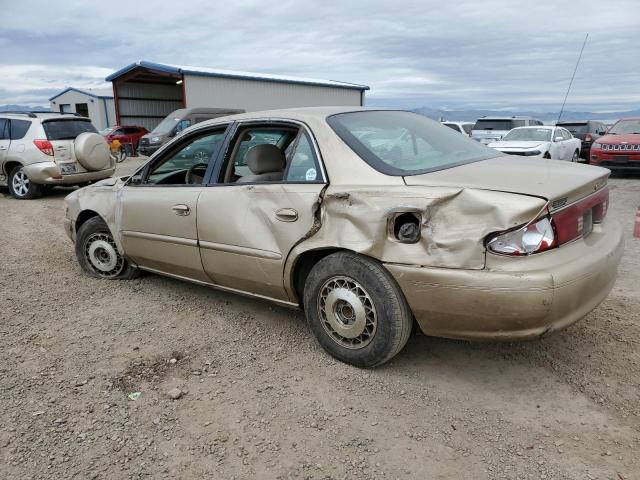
<point>561,183</point>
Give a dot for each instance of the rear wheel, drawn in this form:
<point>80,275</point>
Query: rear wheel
<point>20,187</point>
<point>356,310</point>
<point>546,155</point>
<point>98,254</point>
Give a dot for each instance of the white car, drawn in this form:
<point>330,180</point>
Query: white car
<point>552,142</point>
<point>462,127</point>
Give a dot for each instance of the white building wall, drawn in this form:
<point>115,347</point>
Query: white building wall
<point>96,107</point>
<point>252,95</point>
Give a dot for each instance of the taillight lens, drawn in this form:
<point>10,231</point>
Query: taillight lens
<point>44,146</point>
<point>588,137</point>
<point>535,237</point>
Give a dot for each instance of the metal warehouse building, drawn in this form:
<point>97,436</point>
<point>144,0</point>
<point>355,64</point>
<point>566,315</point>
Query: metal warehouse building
<point>146,92</point>
<point>97,104</point>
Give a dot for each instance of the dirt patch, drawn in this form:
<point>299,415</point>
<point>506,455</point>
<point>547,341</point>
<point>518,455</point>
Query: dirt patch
<point>264,401</point>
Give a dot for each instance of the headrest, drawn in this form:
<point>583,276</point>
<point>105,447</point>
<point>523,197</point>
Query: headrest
<point>265,158</point>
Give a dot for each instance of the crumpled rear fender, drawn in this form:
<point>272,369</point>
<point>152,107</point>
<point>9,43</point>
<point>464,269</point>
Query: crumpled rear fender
<point>454,223</point>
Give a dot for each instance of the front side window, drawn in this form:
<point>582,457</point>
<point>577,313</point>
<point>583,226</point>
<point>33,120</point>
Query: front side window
<point>183,124</point>
<point>404,143</point>
<point>4,129</point>
<point>188,162</point>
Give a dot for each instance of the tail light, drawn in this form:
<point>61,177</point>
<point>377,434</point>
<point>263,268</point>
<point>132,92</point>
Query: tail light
<point>588,137</point>
<point>564,225</point>
<point>534,237</point>
<point>44,146</point>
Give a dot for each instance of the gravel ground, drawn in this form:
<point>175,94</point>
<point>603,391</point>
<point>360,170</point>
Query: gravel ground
<point>259,399</point>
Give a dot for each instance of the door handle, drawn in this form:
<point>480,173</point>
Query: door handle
<point>286,215</point>
<point>181,209</point>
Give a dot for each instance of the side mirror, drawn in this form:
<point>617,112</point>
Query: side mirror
<point>559,138</point>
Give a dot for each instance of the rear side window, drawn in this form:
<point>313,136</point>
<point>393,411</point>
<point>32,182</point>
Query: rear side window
<point>303,166</point>
<point>576,127</point>
<point>19,128</point>
<point>67,129</point>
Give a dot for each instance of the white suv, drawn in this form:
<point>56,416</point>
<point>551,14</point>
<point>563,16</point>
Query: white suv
<point>38,149</point>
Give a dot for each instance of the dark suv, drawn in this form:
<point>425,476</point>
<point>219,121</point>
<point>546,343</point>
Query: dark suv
<point>587,131</point>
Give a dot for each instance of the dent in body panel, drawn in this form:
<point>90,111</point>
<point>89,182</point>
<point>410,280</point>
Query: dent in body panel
<point>454,222</point>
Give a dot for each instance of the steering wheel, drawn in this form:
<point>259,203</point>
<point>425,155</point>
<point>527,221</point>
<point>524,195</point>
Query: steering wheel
<point>188,179</point>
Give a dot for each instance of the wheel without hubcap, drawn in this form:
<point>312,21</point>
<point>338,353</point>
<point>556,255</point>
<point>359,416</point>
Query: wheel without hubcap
<point>102,255</point>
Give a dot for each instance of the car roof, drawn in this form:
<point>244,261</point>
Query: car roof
<point>516,117</point>
<point>47,115</point>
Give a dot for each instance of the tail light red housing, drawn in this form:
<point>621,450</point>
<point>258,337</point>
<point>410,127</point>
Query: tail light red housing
<point>44,146</point>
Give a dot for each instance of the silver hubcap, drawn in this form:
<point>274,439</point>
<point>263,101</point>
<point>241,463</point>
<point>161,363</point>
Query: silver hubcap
<point>347,312</point>
<point>20,183</point>
<point>102,254</point>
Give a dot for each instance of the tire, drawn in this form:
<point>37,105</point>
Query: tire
<point>20,187</point>
<point>346,295</point>
<point>576,157</point>
<point>546,155</point>
<point>98,255</point>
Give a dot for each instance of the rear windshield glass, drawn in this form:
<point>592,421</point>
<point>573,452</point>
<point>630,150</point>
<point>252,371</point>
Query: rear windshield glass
<point>576,127</point>
<point>528,135</point>
<point>497,124</point>
<point>67,129</point>
<point>404,143</point>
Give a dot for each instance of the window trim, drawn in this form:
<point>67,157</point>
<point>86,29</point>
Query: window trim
<point>266,122</point>
<point>173,147</point>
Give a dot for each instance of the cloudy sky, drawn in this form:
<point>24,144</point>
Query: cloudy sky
<point>440,54</point>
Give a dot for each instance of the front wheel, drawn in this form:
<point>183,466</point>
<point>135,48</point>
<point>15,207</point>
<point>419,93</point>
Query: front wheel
<point>98,254</point>
<point>356,310</point>
<point>20,187</point>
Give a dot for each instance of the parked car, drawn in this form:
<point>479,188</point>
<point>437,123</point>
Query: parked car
<point>492,129</point>
<point>619,149</point>
<point>462,127</point>
<point>39,149</point>
<point>556,143</point>
<point>587,131</point>
<point>126,134</point>
<point>177,121</point>
<point>470,242</point>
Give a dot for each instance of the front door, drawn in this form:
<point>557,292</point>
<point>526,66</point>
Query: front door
<point>267,208</point>
<point>158,206</point>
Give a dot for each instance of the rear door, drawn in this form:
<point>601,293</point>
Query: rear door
<point>246,230</point>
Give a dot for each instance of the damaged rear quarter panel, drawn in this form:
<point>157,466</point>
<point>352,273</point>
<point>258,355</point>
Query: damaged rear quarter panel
<point>454,222</point>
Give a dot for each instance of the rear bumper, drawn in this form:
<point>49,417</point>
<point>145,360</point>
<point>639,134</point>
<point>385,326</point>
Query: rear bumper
<point>48,173</point>
<point>515,298</point>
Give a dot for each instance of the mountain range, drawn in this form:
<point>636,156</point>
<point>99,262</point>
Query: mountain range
<point>473,115</point>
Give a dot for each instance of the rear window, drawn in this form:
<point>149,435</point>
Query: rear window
<point>67,129</point>
<point>487,124</point>
<point>452,126</point>
<point>404,143</point>
<point>19,128</point>
<point>575,127</point>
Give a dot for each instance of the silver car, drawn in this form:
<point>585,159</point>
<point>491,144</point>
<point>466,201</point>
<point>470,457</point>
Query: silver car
<point>38,149</point>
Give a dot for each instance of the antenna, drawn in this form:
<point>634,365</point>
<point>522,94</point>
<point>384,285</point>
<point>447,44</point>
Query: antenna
<point>572,77</point>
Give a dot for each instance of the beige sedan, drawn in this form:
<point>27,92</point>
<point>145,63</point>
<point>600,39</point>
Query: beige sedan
<point>365,219</point>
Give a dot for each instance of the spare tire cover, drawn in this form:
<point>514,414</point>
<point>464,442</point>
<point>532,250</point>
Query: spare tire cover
<point>92,151</point>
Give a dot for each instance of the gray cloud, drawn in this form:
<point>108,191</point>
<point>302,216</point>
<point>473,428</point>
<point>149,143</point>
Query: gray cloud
<point>491,53</point>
